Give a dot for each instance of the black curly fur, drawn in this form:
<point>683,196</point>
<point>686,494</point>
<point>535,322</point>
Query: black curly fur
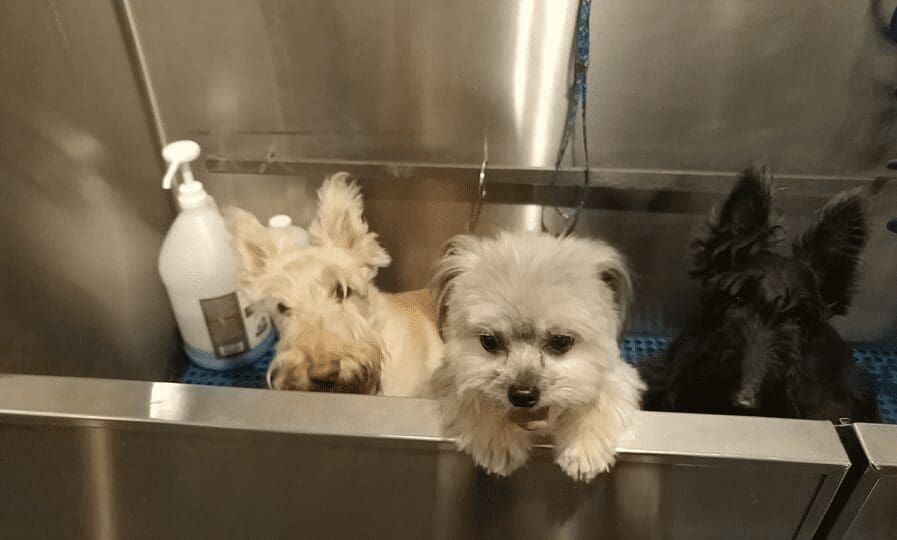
<point>760,342</point>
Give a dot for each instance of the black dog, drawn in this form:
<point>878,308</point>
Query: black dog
<point>760,343</point>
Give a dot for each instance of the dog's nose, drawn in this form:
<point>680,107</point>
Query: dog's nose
<point>744,400</point>
<point>323,372</point>
<point>523,396</point>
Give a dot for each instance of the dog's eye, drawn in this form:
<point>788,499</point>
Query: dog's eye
<point>341,292</point>
<point>560,343</point>
<point>283,309</point>
<point>489,342</point>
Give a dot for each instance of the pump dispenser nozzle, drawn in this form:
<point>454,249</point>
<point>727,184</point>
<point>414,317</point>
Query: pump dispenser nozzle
<point>179,154</point>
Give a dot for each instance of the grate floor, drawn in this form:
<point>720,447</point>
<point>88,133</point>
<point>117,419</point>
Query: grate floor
<point>880,362</point>
<point>251,376</point>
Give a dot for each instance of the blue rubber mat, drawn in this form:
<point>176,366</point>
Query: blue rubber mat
<point>635,347</point>
<point>251,376</point>
<point>880,362</point>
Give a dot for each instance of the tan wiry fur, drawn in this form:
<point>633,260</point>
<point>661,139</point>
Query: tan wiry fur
<point>338,332</point>
<point>524,289</point>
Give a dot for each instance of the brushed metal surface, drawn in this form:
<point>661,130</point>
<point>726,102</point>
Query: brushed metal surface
<point>698,438</point>
<point>868,512</point>
<point>651,217</point>
<point>877,517</point>
<point>396,80</point>
<point>81,212</point>
<point>876,520</point>
<point>702,86</point>
<point>411,82</point>
<point>150,460</point>
<point>679,99</point>
<point>879,441</point>
<point>707,84</point>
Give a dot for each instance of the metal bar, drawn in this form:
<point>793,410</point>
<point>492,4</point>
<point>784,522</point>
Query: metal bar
<point>129,29</point>
<point>665,437</point>
<point>632,179</point>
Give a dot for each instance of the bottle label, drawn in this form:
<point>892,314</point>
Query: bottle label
<point>233,329</point>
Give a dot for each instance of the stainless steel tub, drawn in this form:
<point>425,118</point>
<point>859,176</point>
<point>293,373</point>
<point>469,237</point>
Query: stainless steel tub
<point>93,458</point>
<point>293,90</point>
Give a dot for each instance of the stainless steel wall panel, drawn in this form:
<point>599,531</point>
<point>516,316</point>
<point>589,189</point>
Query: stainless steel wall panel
<point>651,217</point>
<point>706,85</point>
<point>679,99</point>
<point>81,212</point>
<point>399,80</point>
<point>702,85</point>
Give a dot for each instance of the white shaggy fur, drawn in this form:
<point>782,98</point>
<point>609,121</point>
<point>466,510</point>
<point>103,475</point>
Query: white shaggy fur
<point>338,332</point>
<point>523,289</point>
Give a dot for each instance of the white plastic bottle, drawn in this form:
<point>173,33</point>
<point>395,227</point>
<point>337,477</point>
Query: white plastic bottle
<point>285,233</point>
<point>201,272</point>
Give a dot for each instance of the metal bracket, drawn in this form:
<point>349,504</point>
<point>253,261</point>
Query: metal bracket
<point>477,206</point>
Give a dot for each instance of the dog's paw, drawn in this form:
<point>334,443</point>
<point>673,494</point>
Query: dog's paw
<point>498,459</point>
<point>583,461</point>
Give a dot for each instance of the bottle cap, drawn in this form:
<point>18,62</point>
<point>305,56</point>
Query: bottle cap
<point>279,221</point>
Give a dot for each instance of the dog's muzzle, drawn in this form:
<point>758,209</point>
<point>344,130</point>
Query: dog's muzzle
<point>744,400</point>
<point>323,372</point>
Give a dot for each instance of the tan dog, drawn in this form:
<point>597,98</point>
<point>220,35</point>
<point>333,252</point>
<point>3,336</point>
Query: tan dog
<point>338,332</point>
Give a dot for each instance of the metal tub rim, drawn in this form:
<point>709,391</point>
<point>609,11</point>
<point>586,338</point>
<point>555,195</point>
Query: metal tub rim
<point>688,439</point>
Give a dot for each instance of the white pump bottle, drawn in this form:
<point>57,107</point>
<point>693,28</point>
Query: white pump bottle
<point>201,272</point>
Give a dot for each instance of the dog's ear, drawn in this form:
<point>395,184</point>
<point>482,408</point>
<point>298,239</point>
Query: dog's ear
<point>614,272</point>
<point>255,246</point>
<point>743,226</point>
<point>339,222</point>
<point>459,255</point>
<point>831,247</point>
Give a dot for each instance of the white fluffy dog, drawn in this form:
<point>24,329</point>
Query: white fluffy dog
<point>338,332</point>
<point>530,324</point>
